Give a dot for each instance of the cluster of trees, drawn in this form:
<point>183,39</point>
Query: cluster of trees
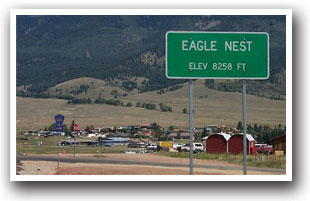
<point>129,85</point>
<point>184,110</point>
<point>100,101</point>
<point>277,97</point>
<point>263,133</point>
<point>152,106</point>
<point>80,101</point>
<point>52,128</point>
<point>34,95</point>
<point>257,88</point>
<point>172,88</point>
<point>37,88</point>
<point>165,108</point>
<point>82,88</point>
<point>42,95</point>
<point>149,106</point>
<point>114,102</point>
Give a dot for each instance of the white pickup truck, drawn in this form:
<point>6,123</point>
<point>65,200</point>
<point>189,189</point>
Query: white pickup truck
<point>197,147</point>
<point>151,148</point>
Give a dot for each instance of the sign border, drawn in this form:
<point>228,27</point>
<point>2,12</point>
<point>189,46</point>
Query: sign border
<point>223,78</point>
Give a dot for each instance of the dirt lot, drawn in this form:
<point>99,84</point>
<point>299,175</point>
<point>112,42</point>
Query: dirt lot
<point>50,168</point>
<point>165,159</point>
<point>149,158</point>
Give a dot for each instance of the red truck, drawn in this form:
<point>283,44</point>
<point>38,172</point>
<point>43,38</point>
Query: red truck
<point>264,149</point>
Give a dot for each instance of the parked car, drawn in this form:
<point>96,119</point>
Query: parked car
<point>141,145</point>
<point>133,145</point>
<point>130,152</point>
<point>264,148</point>
<point>136,145</point>
<point>197,147</point>
<point>176,148</point>
<point>151,148</point>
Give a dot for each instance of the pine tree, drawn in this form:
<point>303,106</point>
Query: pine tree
<point>72,126</point>
<point>256,128</point>
<point>239,126</point>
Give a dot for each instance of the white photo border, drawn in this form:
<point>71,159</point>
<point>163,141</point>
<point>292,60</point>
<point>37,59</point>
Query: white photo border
<point>286,12</point>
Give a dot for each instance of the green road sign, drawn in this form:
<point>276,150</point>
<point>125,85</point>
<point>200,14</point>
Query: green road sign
<point>217,55</point>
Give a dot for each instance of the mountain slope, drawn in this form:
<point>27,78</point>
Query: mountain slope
<point>54,49</point>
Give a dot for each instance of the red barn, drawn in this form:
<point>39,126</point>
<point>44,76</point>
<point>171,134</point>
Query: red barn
<point>235,144</point>
<point>217,143</point>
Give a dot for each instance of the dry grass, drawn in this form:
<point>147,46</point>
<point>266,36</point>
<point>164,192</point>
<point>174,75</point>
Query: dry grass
<point>214,108</point>
<point>96,87</point>
<point>266,161</point>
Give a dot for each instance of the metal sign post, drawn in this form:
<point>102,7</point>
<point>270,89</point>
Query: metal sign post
<point>59,127</point>
<point>217,55</point>
<point>75,128</point>
<point>191,126</point>
<point>74,144</point>
<point>244,127</point>
<point>58,150</point>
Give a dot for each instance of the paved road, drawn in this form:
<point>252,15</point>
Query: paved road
<point>127,162</point>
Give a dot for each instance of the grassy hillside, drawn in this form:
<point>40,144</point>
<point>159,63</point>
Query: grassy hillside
<point>215,107</point>
<point>210,106</point>
<point>95,88</point>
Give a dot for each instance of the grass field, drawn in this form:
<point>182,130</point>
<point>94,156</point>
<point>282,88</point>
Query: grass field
<point>210,107</point>
<point>268,161</point>
<point>49,146</point>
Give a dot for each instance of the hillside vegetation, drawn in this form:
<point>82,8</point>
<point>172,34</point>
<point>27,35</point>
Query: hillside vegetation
<point>55,49</point>
<point>110,70</point>
<point>86,88</point>
<point>210,107</point>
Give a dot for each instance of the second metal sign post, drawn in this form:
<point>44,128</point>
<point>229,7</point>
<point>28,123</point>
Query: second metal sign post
<point>217,55</point>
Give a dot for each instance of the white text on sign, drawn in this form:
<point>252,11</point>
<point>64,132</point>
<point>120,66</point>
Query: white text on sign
<point>216,66</point>
<point>230,46</point>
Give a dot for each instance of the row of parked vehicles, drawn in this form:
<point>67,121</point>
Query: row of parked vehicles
<point>197,147</point>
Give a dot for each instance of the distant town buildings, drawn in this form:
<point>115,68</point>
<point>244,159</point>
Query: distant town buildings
<point>216,138</point>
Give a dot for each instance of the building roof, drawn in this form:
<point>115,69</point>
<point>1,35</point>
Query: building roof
<point>248,136</point>
<point>108,127</point>
<point>145,125</point>
<point>172,135</point>
<point>175,134</point>
<point>212,125</point>
<point>115,139</point>
<point>225,135</point>
<point>184,134</point>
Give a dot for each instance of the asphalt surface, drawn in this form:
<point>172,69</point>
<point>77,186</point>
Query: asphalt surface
<point>127,162</point>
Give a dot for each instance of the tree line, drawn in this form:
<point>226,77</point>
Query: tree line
<point>263,134</point>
